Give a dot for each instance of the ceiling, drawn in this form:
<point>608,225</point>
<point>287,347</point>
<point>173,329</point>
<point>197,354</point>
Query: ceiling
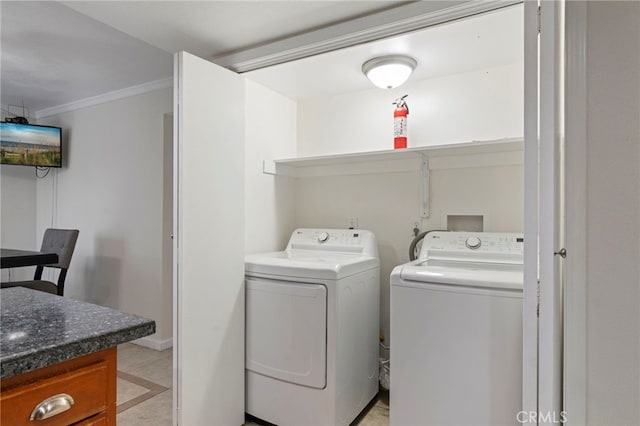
<point>54,53</point>
<point>211,29</point>
<point>484,41</point>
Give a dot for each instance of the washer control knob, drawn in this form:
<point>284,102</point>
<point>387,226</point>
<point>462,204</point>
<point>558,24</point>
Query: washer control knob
<point>323,237</point>
<point>473,243</point>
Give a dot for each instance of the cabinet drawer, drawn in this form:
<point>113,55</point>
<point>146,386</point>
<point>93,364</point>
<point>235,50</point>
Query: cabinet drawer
<point>87,386</point>
<point>97,420</point>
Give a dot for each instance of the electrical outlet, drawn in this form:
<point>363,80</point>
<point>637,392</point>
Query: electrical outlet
<point>352,222</point>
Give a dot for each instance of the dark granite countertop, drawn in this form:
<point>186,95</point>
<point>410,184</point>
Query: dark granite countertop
<point>38,329</point>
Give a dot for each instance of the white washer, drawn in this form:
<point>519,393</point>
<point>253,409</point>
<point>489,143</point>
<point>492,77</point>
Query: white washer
<point>456,331</point>
<point>312,320</point>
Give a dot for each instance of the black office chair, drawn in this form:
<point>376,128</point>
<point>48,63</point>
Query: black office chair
<point>62,242</point>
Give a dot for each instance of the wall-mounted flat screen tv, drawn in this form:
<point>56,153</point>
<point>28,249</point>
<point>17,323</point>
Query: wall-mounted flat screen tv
<point>30,145</point>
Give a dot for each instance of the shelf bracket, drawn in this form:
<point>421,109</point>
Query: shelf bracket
<point>270,167</point>
<point>424,186</point>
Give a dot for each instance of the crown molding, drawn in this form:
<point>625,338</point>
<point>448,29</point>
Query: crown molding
<point>412,17</point>
<point>106,97</point>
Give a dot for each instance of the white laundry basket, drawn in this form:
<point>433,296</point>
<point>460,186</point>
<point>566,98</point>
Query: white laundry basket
<point>384,372</point>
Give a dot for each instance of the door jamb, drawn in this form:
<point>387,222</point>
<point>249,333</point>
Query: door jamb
<point>575,295</point>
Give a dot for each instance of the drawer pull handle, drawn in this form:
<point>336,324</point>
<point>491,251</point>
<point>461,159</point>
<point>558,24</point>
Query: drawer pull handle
<point>52,406</point>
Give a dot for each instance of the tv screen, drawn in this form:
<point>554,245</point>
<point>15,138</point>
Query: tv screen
<point>30,145</point>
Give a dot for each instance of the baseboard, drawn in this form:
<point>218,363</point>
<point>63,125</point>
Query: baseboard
<point>151,343</point>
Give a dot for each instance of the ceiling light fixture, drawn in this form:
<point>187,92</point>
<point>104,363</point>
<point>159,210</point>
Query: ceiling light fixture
<point>388,72</point>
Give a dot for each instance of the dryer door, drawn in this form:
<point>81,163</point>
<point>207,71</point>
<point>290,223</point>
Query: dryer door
<point>286,331</point>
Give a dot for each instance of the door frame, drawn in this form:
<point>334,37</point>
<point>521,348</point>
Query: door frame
<point>575,295</point>
<point>570,369</point>
<point>551,213</point>
<point>531,158</point>
<point>574,358</point>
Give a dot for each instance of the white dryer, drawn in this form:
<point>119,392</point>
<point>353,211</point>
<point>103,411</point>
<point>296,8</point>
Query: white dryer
<point>312,321</point>
<point>456,332</point>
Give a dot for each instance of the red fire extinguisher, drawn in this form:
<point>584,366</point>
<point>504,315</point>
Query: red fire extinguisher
<point>400,123</point>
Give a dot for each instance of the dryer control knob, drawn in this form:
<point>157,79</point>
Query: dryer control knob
<point>473,243</point>
<point>323,237</point>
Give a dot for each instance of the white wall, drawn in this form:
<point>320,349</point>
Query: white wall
<point>111,189</point>
<point>270,134</point>
<point>613,213</point>
<point>480,105</point>
<point>18,215</point>
<point>389,203</point>
<point>17,208</point>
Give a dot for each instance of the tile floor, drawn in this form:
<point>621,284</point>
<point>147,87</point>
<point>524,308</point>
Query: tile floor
<point>145,394</point>
<point>144,386</point>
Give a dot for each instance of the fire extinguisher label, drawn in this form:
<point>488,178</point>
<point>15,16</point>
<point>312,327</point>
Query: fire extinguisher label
<point>400,127</point>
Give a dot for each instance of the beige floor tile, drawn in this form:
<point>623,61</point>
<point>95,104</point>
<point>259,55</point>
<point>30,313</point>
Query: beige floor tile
<point>159,371</point>
<point>157,367</point>
<point>152,412</point>
<point>127,391</point>
<point>131,356</point>
<point>154,366</point>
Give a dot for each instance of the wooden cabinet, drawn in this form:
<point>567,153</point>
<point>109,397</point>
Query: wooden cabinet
<point>97,420</point>
<point>81,391</point>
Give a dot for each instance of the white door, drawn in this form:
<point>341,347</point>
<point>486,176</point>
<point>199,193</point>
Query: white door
<point>208,244</point>
<point>542,362</point>
<point>286,331</point>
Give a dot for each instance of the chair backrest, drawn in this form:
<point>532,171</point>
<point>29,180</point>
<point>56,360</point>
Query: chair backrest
<point>62,242</point>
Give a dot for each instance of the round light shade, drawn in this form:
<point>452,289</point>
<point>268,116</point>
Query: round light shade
<point>387,72</point>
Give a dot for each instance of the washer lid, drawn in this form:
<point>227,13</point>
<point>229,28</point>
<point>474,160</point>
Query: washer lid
<point>467,274</point>
<point>303,263</point>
